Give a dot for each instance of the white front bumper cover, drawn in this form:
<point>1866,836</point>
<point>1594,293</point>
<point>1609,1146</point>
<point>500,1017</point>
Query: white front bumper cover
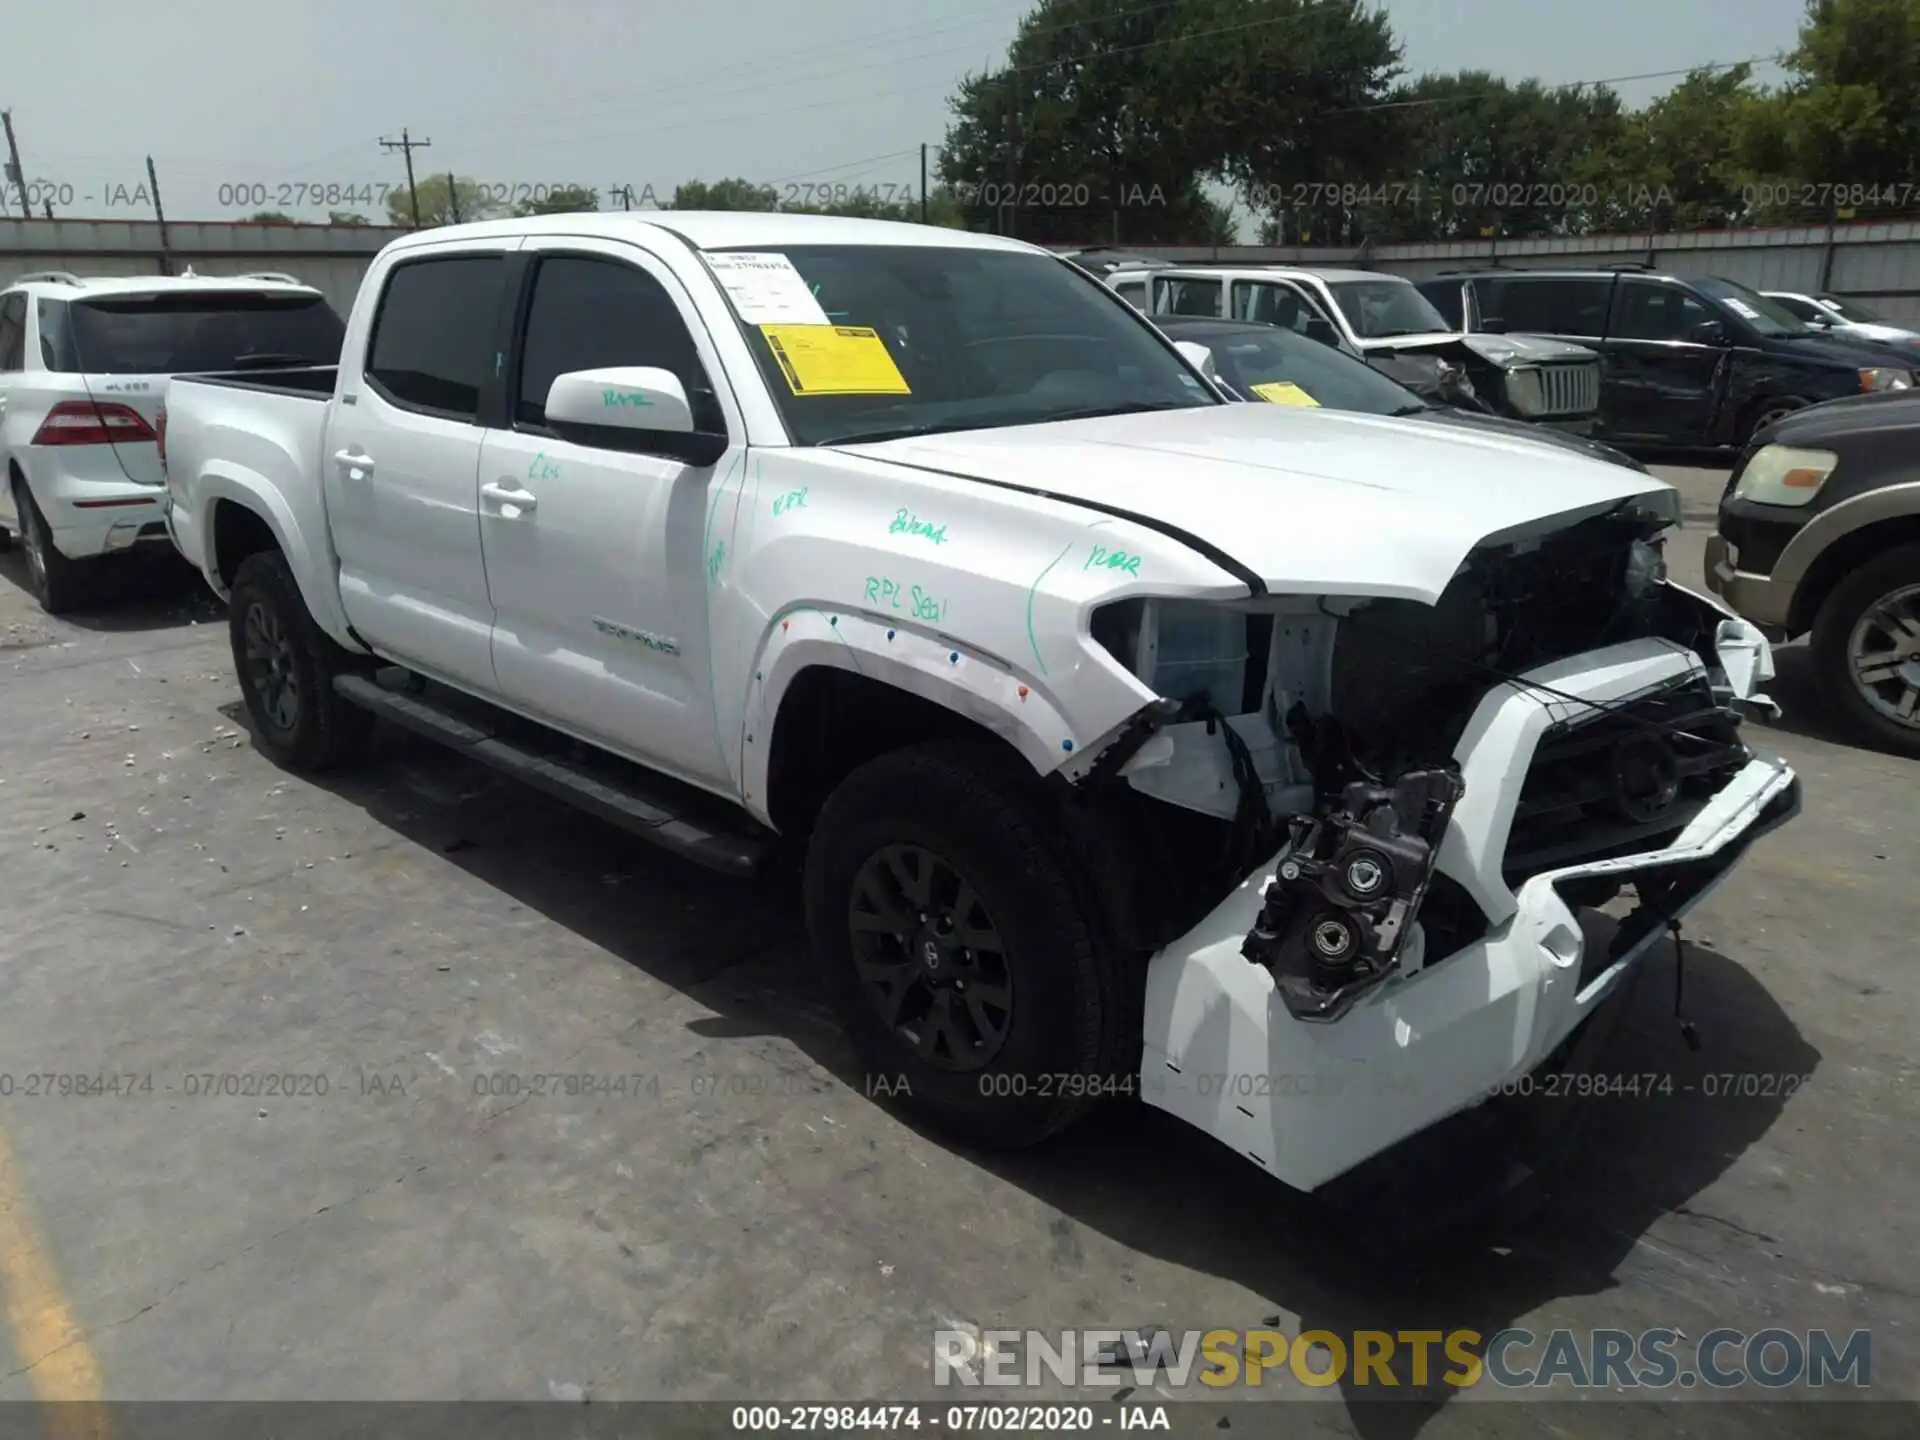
<point>1308,1102</point>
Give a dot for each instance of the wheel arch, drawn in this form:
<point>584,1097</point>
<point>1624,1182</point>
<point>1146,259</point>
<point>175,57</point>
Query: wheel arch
<point>1845,554</point>
<point>242,516</point>
<point>832,691</point>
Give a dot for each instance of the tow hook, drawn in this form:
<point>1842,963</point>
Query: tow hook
<point>1338,910</point>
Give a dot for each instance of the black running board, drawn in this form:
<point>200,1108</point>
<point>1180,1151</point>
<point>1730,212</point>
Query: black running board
<point>648,806</point>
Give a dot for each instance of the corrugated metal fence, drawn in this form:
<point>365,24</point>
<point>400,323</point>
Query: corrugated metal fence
<point>1878,264</point>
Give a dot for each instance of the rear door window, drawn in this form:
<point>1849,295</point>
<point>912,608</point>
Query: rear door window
<point>195,331</point>
<point>1647,310</point>
<point>1187,297</point>
<point>433,338</point>
<point>1545,306</point>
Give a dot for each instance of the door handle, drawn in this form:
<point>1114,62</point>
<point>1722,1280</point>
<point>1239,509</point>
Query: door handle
<point>513,502</point>
<point>358,467</point>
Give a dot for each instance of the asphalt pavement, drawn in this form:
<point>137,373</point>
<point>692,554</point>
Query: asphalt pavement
<point>326,1174</point>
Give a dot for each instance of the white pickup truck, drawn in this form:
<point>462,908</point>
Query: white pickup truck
<point>1259,762</point>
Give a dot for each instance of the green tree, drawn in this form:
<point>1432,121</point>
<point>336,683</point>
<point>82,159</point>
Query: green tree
<point>561,200</point>
<point>347,217</point>
<point>1686,160</point>
<point>1108,122</point>
<point>270,217</point>
<point>1849,119</point>
<point>729,194</point>
<point>442,203</point>
<point>1481,156</point>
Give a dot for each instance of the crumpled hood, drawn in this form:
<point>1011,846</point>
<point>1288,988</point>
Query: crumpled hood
<point>1502,350</point>
<point>1317,502</point>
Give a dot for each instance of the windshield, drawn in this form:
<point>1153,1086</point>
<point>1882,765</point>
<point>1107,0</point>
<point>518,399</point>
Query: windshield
<point>195,332</point>
<point>1769,317</point>
<point>1280,366</point>
<point>867,342</point>
<point>1853,311</point>
<point>1378,309</point>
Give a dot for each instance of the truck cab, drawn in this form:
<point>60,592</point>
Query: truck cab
<point>1123,734</point>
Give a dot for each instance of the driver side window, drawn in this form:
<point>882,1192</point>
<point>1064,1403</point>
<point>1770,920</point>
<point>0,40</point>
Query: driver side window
<point>589,313</point>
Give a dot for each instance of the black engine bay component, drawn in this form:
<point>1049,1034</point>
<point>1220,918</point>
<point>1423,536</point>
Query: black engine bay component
<point>1338,911</point>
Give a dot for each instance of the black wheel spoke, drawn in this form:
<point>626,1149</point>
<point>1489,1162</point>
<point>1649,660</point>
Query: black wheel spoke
<point>912,872</point>
<point>986,1026</point>
<point>883,912</point>
<point>890,985</point>
<point>988,993</point>
<point>940,1028</point>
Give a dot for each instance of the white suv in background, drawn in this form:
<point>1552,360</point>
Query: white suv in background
<point>84,365</point>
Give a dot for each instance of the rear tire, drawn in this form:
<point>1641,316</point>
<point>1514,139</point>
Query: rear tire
<point>1859,646</point>
<point>286,664</point>
<point>947,845</point>
<point>59,584</point>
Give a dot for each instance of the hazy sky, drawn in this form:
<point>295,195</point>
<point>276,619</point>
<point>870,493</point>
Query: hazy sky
<point>240,102</point>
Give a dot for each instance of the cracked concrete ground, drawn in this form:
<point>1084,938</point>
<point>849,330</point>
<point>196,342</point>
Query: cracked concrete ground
<point>319,1184</point>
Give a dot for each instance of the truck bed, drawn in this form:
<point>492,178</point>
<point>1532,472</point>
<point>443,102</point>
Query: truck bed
<point>305,382</point>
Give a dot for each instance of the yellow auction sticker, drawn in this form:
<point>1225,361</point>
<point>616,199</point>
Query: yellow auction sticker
<point>834,360</point>
<point>1285,392</point>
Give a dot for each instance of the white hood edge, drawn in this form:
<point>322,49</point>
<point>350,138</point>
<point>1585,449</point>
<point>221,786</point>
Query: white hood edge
<point>1312,502</point>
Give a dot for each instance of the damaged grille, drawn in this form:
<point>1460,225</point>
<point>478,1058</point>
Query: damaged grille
<point>1623,780</point>
<point>1570,389</point>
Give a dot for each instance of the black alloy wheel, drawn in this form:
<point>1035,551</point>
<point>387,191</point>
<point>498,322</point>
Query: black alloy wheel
<point>930,958</point>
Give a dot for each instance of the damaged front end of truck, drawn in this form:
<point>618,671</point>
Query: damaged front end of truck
<point>1363,838</point>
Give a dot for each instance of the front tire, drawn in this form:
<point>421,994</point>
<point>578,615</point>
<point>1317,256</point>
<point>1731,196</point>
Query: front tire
<point>60,585</point>
<point>1765,412</point>
<point>970,973</point>
<point>1866,650</point>
<point>286,664</point>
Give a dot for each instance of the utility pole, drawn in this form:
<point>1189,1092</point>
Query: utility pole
<point>923,182</point>
<point>18,175</point>
<point>453,199</point>
<point>1013,160</point>
<point>406,144</point>
<point>166,256</point>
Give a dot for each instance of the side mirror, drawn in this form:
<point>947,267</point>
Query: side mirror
<point>1320,328</point>
<point>1492,325</point>
<point>1708,332</point>
<point>630,407</point>
<point>1199,356</point>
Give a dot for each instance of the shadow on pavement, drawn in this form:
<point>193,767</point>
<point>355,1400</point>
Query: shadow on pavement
<point>1132,1173</point>
<point>149,591</point>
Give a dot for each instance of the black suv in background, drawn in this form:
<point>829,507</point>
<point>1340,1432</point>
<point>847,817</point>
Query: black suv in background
<point>1697,364</point>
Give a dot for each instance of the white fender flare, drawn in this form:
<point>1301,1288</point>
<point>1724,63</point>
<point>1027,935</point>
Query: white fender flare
<point>938,668</point>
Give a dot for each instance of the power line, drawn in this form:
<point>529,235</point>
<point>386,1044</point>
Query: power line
<point>1462,98</point>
